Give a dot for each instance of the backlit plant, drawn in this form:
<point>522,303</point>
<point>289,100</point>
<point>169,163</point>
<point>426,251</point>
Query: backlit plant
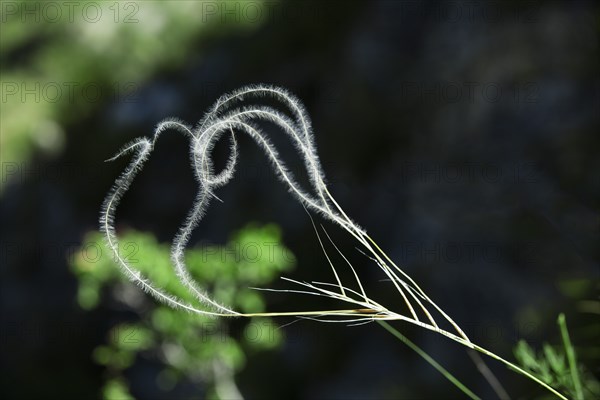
<point>240,112</point>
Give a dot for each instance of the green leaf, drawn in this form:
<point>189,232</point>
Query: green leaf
<point>116,389</point>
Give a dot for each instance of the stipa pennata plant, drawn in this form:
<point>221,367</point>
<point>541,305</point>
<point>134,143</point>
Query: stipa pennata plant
<point>232,114</point>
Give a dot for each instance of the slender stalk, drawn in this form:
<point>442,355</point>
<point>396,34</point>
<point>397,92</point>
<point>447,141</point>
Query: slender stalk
<point>488,375</point>
<point>430,360</point>
<point>518,369</point>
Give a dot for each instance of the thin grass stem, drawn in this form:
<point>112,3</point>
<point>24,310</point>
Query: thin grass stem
<point>430,360</point>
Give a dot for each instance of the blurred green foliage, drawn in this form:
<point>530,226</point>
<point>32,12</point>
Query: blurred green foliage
<point>551,365</point>
<point>60,61</point>
<point>200,349</point>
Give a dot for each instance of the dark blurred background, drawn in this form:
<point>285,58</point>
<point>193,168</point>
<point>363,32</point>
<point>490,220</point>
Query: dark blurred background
<point>463,136</point>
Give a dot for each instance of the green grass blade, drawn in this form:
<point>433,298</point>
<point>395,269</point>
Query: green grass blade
<point>562,323</point>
